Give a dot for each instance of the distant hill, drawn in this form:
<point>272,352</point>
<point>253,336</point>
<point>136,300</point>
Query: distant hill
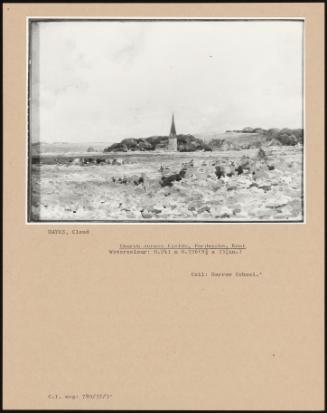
<point>185,143</point>
<point>38,148</point>
<point>248,138</point>
<point>234,140</point>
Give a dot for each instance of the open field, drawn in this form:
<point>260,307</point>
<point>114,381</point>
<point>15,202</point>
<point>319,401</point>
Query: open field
<point>129,187</point>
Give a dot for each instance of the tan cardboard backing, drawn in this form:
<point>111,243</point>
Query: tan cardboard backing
<point>142,329</point>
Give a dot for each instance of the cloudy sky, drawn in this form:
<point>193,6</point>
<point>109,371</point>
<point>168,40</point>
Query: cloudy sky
<point>104,80</point>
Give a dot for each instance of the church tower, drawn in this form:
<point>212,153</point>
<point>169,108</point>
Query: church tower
<point>172,140</point>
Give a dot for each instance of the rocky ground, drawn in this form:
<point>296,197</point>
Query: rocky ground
<point>247,185</point>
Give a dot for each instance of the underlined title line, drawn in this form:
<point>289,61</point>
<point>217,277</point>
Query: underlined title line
<point>186,248</point>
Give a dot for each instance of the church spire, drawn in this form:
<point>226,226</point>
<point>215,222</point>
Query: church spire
<point>172,128</point>
<point>172,140</point>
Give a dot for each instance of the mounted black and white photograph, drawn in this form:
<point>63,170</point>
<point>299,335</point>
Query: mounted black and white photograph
<point>158,120</point>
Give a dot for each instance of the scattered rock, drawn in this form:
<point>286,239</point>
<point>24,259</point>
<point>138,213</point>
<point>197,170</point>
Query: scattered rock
<point>261,154</point>
<point>231,187</point>
<point>205,208</point>
<point>225,215</point>
<point>265,187</point>
<point>155,210</point>
<point>237,210</point>
<point>145,214</point>
<point>278,203</point>
<point>168,180</point>
<point>239,170</point>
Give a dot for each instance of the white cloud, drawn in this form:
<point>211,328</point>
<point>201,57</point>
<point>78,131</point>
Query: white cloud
<point>109,80</point>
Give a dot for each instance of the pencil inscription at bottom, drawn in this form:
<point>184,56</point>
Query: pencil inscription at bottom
<point>83,396</point>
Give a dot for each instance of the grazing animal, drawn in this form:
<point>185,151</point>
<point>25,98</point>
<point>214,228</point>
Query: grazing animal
<point>138,181</point>
<point>220,172</point>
